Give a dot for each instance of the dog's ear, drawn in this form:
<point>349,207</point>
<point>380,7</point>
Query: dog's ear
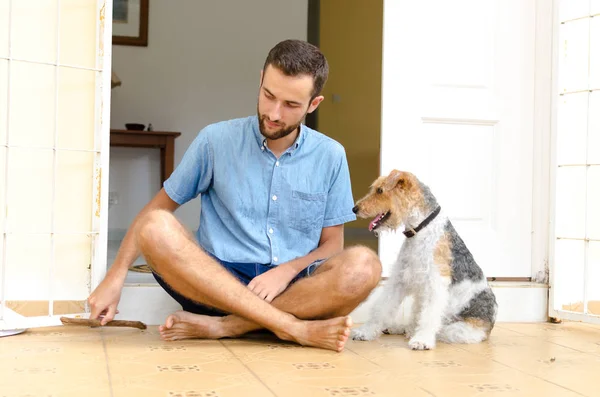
<point>395,178</point>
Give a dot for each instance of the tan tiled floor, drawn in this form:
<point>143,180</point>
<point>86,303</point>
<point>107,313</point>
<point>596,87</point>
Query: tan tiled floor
<point>518,360</point>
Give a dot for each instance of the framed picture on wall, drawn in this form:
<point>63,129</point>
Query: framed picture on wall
<point>130,22</point>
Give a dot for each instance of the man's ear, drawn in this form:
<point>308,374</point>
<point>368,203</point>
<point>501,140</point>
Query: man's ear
<point>394,179</point>
<point>314,104</point>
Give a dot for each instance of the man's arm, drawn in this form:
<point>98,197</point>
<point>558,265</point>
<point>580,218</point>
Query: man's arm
<point>105,298</point>
<point>192,177</point>
<point>272,283</point>
<point>331,243</point>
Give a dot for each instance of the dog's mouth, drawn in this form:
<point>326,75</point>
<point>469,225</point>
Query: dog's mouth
<point>379,220</point>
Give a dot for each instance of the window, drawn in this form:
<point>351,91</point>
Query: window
<point>577,161</point>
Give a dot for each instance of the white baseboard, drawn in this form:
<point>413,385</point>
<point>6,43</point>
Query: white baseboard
<point>517,302</point>
<point>148,303</point>
<point>521,302</point>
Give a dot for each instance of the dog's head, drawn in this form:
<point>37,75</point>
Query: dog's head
<point>393,199</point>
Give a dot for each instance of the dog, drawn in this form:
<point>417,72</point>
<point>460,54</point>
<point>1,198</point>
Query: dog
<point>452,301</point>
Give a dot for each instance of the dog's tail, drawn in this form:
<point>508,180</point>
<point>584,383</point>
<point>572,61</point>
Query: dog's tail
<point>463,332</point>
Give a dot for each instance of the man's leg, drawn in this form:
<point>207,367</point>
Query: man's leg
<point>338,286</point>
<point>174,255</point>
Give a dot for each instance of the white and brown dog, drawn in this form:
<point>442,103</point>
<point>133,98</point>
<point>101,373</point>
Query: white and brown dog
<point>452,301</point>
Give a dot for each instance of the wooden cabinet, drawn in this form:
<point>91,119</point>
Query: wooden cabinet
<point>163,140</point>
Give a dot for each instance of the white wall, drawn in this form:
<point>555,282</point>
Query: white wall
<point>202,65</point>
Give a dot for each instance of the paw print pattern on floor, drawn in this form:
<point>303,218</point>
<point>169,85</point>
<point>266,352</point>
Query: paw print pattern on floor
<point>349,391</point>
<point>165,348</point>
<point>439,364</point>
<point>313,366</point>
<point>178,368</point>
<point>492,387</point>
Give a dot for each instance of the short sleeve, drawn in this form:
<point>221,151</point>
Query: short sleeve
<point>194,173</point>
<point>339,200</point>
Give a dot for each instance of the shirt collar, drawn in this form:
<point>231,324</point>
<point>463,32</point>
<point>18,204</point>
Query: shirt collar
<point>262,141</point>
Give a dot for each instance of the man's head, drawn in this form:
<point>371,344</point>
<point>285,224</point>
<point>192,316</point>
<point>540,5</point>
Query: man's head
<point>292,78</point>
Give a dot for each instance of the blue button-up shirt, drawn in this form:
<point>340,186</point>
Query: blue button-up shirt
<point>256,208</point>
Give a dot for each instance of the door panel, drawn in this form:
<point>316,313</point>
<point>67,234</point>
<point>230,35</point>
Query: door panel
<point>458,112</point>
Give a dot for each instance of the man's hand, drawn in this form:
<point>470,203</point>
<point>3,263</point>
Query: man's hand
<point>104,300</point>
<point>273,282</point>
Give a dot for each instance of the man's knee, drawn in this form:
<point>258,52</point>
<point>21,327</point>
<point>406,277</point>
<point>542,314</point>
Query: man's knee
<point>361,270</point>
<point>152,226</point>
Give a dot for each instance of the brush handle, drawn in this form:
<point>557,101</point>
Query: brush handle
<point>96,323</point>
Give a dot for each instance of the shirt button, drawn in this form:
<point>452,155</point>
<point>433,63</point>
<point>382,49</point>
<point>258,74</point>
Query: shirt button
<point>262,148</point>
<point>274,259</point>
<point>277,164</point>
<point>271,231</point>
<point>274,198</point>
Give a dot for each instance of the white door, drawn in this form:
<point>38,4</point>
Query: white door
<point>54,140</point>
<point>458,103</point>
<point>575,235</point>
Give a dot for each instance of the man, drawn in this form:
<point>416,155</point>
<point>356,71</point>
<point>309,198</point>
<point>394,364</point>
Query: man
<point>269,250</point>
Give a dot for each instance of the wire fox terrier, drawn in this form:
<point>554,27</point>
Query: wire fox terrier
<point>452,301</point>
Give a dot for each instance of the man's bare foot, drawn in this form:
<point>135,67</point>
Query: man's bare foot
<point>327,334</point>
<point>185,325</point>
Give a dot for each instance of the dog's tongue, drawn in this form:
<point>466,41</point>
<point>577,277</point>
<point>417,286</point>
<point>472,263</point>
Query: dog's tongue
<point>374,222</point>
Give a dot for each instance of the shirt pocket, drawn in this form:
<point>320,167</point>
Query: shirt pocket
<point>307,210</point>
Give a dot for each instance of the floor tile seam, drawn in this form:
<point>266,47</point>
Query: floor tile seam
<point>526,373</point>
<point>363,357</point>
<point>248,368</point>
<point>110,386</point>
<point>596,355</point>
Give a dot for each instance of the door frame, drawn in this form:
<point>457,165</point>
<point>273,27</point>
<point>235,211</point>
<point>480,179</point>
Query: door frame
<point>557,314</point>
<point>11,322</point>
<point>313,30</point>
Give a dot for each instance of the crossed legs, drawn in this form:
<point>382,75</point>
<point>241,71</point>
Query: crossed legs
<point>325,298</point>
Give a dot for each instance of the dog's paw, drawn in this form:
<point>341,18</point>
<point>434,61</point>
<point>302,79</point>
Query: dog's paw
<point>395,330</point>
<point>421,343</point>
<point>365,332</point>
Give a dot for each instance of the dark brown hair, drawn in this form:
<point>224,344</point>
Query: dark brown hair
<point>295,57</point>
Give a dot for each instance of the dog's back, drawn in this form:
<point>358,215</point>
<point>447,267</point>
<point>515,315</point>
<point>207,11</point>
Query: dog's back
<point>471,300</point>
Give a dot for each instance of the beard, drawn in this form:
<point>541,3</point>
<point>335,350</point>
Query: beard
<point>279,133</point>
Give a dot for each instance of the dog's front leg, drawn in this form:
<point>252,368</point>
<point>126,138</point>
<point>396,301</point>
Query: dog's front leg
<point>409,329</point>
<point>432,302</point>
<point>384,310</point>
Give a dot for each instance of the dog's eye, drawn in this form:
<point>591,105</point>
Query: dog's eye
<point>379,190</point>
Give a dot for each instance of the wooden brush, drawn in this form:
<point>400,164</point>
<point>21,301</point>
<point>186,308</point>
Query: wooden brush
<point>96,323</point>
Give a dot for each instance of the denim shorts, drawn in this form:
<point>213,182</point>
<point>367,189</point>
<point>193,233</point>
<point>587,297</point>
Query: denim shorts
<point>244,272</point>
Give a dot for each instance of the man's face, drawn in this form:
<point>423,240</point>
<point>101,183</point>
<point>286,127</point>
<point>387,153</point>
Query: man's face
<point>283,102</point>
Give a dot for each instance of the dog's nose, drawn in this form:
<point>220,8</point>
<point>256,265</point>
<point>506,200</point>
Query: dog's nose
<point>355,209</point>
